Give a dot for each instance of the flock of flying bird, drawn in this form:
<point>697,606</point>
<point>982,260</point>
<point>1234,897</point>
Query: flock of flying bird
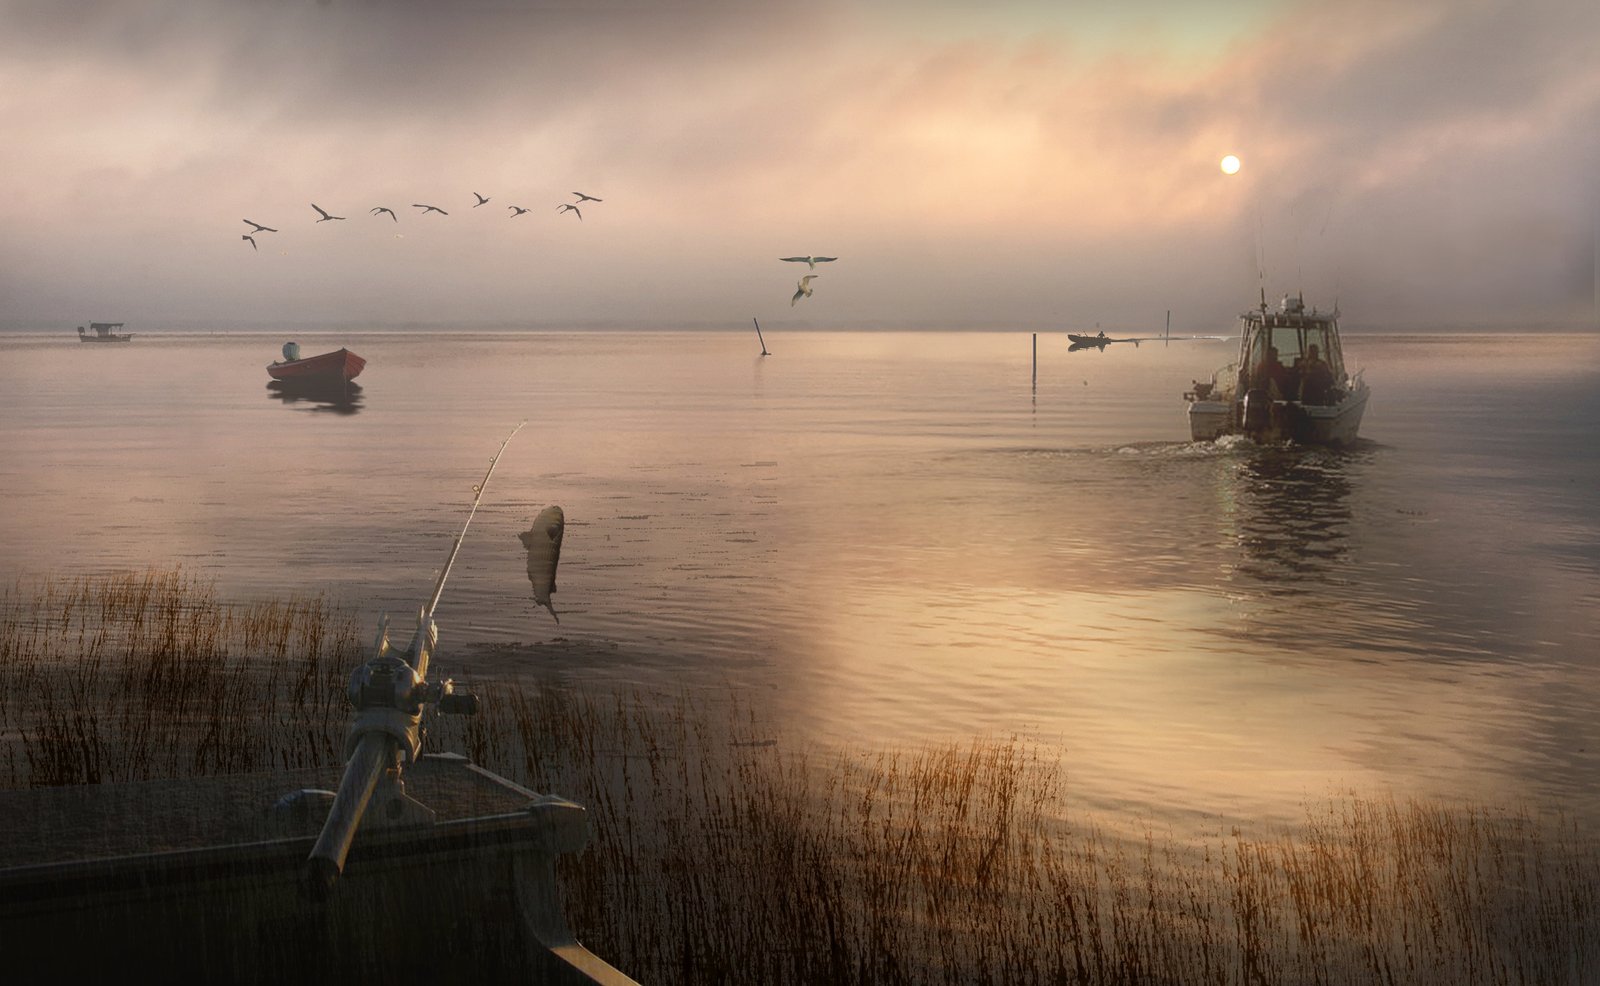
<point>803,286</point>
<point>516,210</point>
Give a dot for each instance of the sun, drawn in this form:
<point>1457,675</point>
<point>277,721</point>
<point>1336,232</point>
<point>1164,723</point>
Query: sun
<point>1230,165</point>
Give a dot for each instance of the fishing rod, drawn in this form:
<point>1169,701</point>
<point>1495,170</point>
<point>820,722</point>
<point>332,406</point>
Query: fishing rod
<point>477,497</point>
<point>389,693</point>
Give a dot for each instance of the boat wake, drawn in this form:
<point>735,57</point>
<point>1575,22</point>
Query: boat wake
<point>1223,446</point>
<point>1228,445</point>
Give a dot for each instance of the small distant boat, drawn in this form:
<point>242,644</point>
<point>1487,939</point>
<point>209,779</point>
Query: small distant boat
<point>337,367</point>
<point>1288,384</point>
<point>103,332</point>
<point>1101,340</point>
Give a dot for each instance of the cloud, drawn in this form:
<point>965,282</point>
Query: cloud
<point>1444,150</point>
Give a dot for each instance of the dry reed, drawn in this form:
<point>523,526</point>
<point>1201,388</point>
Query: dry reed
<point>135,676</point>
<point>723,855</point>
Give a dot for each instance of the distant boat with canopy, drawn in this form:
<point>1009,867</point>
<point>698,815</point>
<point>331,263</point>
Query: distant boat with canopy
<point>104,332</point>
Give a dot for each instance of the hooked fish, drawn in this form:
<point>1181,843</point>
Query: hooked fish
<point>543,541</point>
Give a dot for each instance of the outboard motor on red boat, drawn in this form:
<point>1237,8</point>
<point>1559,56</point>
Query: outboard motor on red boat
<point>1257,412</point>
<point>291,352</point>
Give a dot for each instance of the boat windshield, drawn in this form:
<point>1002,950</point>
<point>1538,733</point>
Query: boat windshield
<point>1289,342</point>
<point>1292,344</point>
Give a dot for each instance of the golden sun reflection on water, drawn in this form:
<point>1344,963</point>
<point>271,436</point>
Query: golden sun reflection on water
<point>1153,711</point>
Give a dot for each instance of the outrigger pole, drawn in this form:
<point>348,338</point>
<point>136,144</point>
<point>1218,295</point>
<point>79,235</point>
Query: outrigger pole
<point>758,337</point>
<point>389,693</point>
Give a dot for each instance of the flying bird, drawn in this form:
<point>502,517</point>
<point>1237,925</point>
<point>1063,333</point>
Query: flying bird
<point>810,262</point>
<point>324,214</point>
<point>519,210</point>
<point>481,200</point>
<point>380,208</point>
<point>564,207</point>
<point>252,240</point>
<point>805,288</point>
<point>429,208</point>
<point>587,198</point>
<point>260,228</point>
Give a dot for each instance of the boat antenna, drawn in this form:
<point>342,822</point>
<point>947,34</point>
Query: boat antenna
<point>1261,255</point>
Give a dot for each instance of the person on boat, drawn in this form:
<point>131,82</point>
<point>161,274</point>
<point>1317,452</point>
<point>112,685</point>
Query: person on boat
<point>1272,376</point>
<point>1316,377</point>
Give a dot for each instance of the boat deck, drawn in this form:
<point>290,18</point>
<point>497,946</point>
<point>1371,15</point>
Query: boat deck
<point>202,880</point>
<point>103,821</point>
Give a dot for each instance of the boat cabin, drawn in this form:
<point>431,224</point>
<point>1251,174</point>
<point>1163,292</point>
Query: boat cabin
<point>1278,350</point>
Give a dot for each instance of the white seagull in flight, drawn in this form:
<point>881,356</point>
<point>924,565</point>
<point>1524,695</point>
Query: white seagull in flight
<point>810,262</point>
<point>805,288</point>
<point>324,213</point>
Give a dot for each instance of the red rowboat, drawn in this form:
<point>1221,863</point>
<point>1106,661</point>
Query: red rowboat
<point>335,367</point>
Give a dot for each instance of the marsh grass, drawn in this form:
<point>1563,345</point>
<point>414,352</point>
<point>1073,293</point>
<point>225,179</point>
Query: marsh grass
<point>724,857</point>
<point>721,854</point>
<point>135,676</point>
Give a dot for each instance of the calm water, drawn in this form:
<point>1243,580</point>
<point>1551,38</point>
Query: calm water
<point>885,539</point>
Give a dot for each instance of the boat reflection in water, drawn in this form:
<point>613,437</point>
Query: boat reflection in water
<point>1294,517</point>
<point>336,397</point>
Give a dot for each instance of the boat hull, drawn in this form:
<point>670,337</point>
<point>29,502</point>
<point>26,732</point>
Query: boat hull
<point>1333,424</point>
<point>340,366</point>
<point>1208,420</point>
<point>1287,421</point>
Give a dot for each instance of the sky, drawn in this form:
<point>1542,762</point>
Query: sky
<point>1012,164</point>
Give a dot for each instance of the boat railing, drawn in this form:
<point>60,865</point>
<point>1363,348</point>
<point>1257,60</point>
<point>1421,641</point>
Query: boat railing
<point>1224,380</point>
<point>1219,388</point>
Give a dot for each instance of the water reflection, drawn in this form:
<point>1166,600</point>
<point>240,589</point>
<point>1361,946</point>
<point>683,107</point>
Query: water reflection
<point>1294,515</point>
<point>337,398</point>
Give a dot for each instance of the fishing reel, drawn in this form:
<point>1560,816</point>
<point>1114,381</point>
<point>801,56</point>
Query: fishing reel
<point>389,692</point>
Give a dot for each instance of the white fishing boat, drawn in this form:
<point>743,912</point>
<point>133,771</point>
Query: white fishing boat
<point>1289,382</point>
